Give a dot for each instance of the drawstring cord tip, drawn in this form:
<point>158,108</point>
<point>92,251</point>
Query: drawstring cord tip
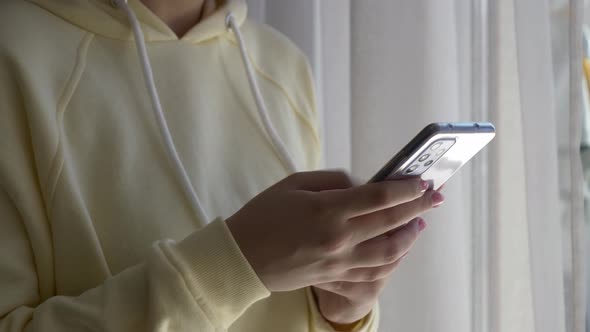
<point>117,3</point>
<point>229,19</point>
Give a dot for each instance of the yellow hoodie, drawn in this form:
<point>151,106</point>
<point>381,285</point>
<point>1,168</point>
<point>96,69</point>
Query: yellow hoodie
<point>96,233</point>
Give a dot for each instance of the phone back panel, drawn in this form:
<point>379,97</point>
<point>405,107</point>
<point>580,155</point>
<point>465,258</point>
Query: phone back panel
<point>438,152</point>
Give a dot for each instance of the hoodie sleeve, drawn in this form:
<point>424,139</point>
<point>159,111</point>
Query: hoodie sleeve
<point>202,283</point>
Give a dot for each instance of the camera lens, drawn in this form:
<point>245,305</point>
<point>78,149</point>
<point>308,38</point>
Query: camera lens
<point>435,146</point>
<point>411,169</point>
<point>423,157</point>
<point>428,163</point>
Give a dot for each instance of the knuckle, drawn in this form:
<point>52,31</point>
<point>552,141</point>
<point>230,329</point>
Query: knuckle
<point>408,240</point>
<point>425,203</point>
<point>340,286</point>
<point>383,272</point>
<point>343,178</point>
<point>321,208</point>
<point>371,275</point>
<point>390,253</point>
<point>392,215</point>
<point>334,242</point>
<point>345,286</point>
<point>381,196</point>
<point>364,275</point>
<point>413,208</point>
<point>317,205</point>
<point>332,267</point>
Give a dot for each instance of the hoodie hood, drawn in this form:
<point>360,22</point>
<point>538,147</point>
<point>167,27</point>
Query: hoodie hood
<point>103,18</point>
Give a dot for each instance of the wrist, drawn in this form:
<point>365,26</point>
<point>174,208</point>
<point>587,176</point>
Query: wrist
<point>336,324</point>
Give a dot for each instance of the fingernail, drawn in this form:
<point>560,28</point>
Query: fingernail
<point>421,225</point>
<point>424,186</point>
<point>437,199</point>
<point>404,255</point>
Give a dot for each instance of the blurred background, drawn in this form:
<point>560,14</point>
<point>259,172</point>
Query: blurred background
<point>507,252</point>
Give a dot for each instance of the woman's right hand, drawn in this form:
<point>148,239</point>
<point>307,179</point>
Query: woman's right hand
<point>312,227</point>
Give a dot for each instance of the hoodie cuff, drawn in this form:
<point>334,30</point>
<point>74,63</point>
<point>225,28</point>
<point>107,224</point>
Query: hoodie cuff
<point>369,323</point>
<point>216,272</point>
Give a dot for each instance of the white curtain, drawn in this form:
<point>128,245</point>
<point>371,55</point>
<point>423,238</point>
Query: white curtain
<point>504,253</point>
<point>405,73</point>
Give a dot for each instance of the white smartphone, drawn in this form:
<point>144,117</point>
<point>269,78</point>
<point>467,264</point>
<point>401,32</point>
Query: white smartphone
<point>438,152</point>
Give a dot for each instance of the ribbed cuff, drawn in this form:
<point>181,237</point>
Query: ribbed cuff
<point>217,273</point>
<point>369,323</point>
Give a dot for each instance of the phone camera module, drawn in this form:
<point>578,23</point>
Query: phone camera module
<point>411,169</point>
<point>423,157</point>
<point>436,146</point>
<point>428,163</point>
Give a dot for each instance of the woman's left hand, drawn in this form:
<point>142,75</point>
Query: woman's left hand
<point>344,303</point>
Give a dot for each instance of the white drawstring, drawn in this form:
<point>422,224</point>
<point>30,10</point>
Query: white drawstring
<point>161,120</point>
<point>262,110</point>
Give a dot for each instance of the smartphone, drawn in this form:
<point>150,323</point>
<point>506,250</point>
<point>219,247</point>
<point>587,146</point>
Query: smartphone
<point>438,152</point>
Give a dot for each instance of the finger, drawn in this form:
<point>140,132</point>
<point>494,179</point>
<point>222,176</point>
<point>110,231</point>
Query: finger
<point>376,196</point>
<point>369,274</point>
<point>355,290</point>
<point>388,249</point>
<point>317,181</point>
<point>374,224</point>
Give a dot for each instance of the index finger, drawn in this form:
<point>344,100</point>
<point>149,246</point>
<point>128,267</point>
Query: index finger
<point>372,197</point>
